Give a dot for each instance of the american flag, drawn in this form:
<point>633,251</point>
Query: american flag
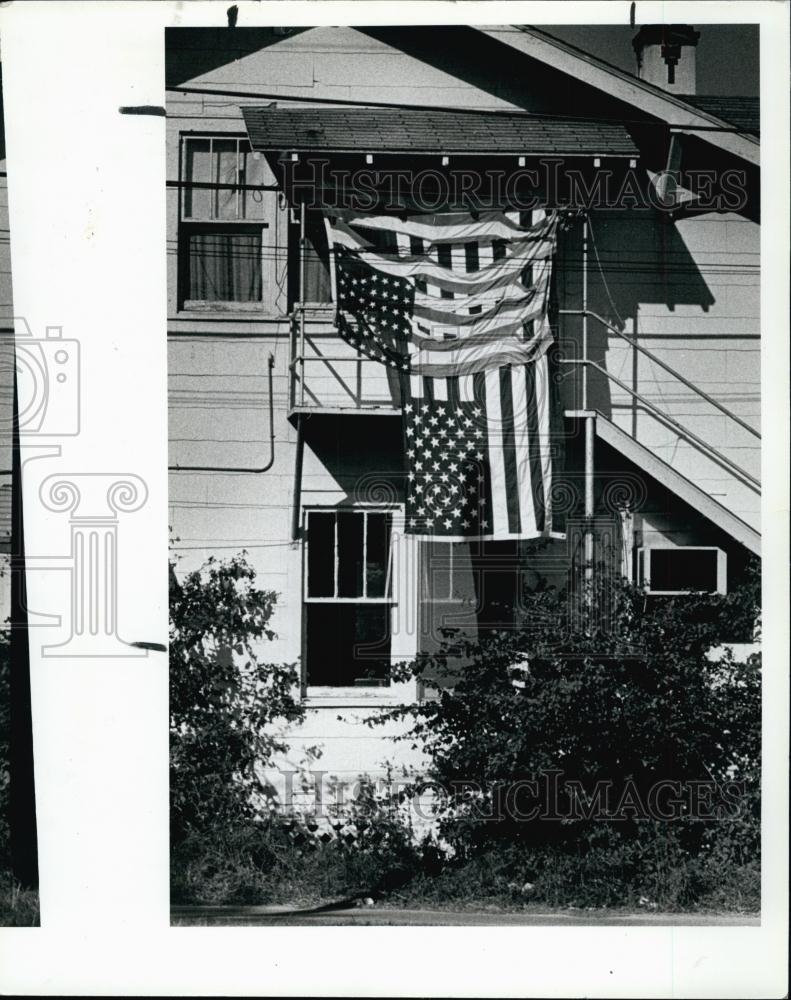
<point>457,305</point>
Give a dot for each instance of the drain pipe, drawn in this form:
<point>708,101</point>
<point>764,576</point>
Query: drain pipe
<point>230,468</point>
<point>590,430</point>
<point>590,422</point>
<point>296,500</point>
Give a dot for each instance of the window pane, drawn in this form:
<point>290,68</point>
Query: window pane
<point>224,267</point>
<point>350,554</point>
<point>253,172</point>
<point>226,168</point>
<point>317,260</point>
<point>347,644</point>
<point>321,554</point>
<point>378,548</point>
<point>197,169</point>
<point>683,569</point>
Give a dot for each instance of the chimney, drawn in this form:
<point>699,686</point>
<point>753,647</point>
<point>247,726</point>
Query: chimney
<point>666,56</point>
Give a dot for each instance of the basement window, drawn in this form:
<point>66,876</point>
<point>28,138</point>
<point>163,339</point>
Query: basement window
<point>670,570</point>
<point>348,598</point>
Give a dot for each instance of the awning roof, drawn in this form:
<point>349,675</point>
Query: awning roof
<point>417,131</point>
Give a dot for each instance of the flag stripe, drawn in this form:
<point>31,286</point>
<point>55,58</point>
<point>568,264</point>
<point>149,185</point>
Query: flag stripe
<point>448,228</point>
<point>525,477</point>
<point>507,443</point>
<point>496,307</point>
<point>504,269</point>
<point>534,435</point>
<point>453,391</point>
<point>486,522</point>
<point>548,435</point>
<point>477,357</point>
<point>488,297</point>
<point>494,421</point>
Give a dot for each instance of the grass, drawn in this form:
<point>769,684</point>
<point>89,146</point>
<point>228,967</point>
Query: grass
<point>260,866</point>
<point>18,906</point>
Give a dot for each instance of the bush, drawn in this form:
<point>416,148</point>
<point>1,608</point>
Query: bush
<point>224,701</point>
<point>548,744</point>
<point>363,848</point>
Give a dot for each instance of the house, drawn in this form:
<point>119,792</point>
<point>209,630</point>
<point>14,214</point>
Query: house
<point>286,440</point>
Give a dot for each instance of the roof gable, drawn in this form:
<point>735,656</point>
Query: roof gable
<point>676,111</point>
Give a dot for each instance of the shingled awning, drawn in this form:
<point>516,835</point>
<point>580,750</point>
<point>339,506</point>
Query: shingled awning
<point>417,131</point>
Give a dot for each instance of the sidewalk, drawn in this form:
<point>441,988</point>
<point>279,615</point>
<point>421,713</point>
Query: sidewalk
<point>379,915</point>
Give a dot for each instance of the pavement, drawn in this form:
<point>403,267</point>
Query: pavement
<point>383,916</point>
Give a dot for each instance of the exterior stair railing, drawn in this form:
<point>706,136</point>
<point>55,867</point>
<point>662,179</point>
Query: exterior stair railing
<point>586,363</point>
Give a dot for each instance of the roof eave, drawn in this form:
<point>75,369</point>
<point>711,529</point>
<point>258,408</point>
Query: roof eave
<point>625,87</point>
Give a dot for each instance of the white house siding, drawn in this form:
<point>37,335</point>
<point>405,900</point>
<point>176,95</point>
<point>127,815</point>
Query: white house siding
<point>715,345</point>
<point>218,384</point>
<point>702,319</point>
<point>693,299</point>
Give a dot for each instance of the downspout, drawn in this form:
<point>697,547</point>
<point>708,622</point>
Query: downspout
<point>296,501</point>
<point>590,423</point>
<point>229,468</point>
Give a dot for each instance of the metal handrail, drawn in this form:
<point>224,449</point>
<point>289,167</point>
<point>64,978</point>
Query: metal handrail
<point>684,431</point>
<point>662,364</point>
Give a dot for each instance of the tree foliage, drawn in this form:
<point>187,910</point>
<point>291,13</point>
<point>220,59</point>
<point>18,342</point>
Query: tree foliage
<point>226,702</point>
<point>617,688</point>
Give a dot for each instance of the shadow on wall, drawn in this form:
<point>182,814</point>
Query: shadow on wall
<point>193,52</point>
<point>634,258</point>
<point>363,455</point>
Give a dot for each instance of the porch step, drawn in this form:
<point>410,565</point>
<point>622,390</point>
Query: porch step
<point>646,459</point>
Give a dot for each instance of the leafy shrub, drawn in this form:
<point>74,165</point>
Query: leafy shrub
<point>548,741</point>
<point>363,848</point>
<point>224,701</point>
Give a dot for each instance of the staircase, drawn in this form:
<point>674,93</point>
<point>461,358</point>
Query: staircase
<point>646,458</point>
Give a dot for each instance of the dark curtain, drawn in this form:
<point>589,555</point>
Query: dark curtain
<point>318,287</point>
<point>224,267</point>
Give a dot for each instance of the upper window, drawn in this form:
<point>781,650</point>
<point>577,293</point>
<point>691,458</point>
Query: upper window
<point>348,598</point>
<point>237,237</point>
<point>222,212</point>
<point>318,285</point>
<point>222,181</point>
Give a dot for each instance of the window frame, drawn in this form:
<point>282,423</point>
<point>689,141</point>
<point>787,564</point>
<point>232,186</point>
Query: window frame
<point>321,694</point>
<point>644,565</point>
<point>293,254</point>
<point>336,599</point>
<point>213,186</point>
<point>188,225</point>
